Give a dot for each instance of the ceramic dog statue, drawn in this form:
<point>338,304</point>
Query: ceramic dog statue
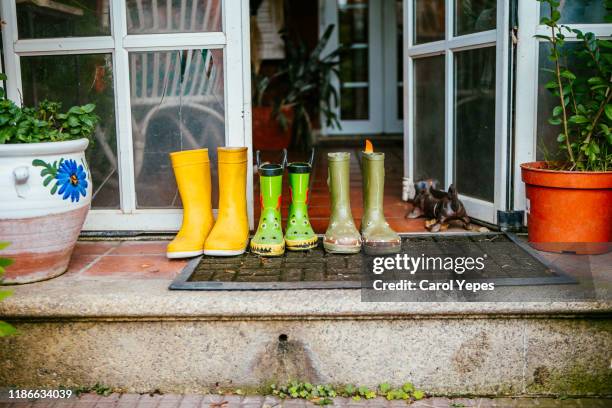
<point>439,207</point>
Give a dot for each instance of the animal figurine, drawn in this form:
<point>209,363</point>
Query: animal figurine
<point>438,206</point>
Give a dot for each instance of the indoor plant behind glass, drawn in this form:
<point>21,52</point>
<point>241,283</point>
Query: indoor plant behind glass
<point>309,76</point>
<point>569,201</point>
<point>45,183</point>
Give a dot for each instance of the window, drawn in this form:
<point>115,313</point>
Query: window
<point>457,87</point>
<point>165,75</point>
<point>535,138</point>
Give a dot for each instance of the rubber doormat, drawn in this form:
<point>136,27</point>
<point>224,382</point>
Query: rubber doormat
<point>509,262</point>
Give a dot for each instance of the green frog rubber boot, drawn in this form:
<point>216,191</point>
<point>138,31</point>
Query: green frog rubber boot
<point>268,240</point>
<point>341,236</point>
<point>378,237</point>
<point>299,235</point>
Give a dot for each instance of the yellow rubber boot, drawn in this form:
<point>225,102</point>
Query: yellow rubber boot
<point>230,235</point>
<point>192,172</point>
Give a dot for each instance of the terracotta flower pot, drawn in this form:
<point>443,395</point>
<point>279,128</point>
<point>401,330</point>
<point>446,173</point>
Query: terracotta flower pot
<point>568,210</point>
<point>267,133</point>
<point>46,193</point>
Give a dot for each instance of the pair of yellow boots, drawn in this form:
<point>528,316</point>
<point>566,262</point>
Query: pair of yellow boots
<point>199,233</point>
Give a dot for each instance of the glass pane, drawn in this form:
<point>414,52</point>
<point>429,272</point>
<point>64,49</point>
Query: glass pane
<point>399,15</point>
<point>429,118</point>
<point>177,104</point>
<point>353,22</point>
<point>475,122</point>
<point>354,65</point>
<point>354,103</point>
<point>62,18</point>
<point>475,16</point>
<point>579,11</point>
<point>173,16</point>
<point>428,21</point>
<point>78,80</point>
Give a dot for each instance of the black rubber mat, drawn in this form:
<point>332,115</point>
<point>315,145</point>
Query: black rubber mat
<point>509,262</point>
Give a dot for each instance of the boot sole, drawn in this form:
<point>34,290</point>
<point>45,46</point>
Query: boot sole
<point>302,245</point>
<point>224,252</point>
<point>268,250</point>
<point>341,249</point>
<point>183,254</point>
<point>382,248</point>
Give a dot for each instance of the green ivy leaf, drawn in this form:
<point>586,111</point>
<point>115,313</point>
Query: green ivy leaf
<point>418,395</point>
<point>6,329</point>
<point>608,111</point>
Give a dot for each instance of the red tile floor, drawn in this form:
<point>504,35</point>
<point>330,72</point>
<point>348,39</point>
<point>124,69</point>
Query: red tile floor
<point>319,211</point>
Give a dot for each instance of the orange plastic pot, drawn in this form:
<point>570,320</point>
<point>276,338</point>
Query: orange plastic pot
<point>568,210</point>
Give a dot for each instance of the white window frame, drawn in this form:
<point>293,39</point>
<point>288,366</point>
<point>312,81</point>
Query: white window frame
<point>234,41</point>
<point>527,70</point>
<point>498,37</point>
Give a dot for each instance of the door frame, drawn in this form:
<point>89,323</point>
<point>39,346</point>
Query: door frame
<point>498,37</point>
<point>235,42</point>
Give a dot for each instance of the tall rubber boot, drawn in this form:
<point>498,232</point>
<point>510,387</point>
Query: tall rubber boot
<point>192,172</point>
<point>378,237</point>
<point>230,235</point>
<point>341,236</point>
<point>299,235</point>
<point>268,240</point>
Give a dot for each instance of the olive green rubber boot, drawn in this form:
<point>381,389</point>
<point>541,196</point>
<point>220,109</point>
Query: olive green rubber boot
<point>341,236</point>
<point>378,237</point>
<point>299,235</point>
<point>268,240</point>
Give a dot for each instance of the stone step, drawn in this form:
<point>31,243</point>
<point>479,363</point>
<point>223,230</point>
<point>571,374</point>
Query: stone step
<point>136,336</point>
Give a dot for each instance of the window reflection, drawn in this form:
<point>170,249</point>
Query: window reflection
<point>177,104</point>
<point>475,15</point>
<point>62,18</point>
<point>173,16</point>
<point>428,21</point>
<point>475,122</point>
<point>78,80</point>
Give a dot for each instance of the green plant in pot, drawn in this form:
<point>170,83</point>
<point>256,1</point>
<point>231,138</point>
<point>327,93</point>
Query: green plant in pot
<point>568,200</point>
<point>46,184</point>
<point>311,93</point>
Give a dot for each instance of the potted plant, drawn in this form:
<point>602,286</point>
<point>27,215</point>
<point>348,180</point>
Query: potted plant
<point>268,133</point>
<point>569,202</point>
<point>311,92</point>
<point>45,183</point>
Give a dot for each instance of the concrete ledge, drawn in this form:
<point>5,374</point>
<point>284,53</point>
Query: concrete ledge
<point>78,299</point>
<point>135,335</point>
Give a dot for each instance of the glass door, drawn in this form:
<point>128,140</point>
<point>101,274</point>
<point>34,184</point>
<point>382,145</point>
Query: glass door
<point>456,98</point>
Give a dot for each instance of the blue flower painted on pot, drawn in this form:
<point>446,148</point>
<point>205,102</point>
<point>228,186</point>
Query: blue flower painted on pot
<point>72,180</point>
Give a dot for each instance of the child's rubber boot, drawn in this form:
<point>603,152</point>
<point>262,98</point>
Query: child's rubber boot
<point>268,240</point>
<point>230,235</point>
<point>341,236</point>
<point>299,235</point>
<point>192,172</point>
<point>378,237</point>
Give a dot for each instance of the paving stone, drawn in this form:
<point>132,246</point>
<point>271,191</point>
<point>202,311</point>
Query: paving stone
<point>314,275</point>
<point>191,401</point>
